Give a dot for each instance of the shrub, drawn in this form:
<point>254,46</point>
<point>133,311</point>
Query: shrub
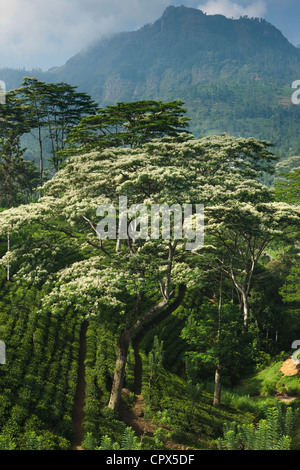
<point>272,433</point>
<point>7,442</point>
<point>129,442</point>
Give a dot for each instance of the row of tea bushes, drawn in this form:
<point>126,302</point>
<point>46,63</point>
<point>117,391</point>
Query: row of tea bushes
<point>99,420</point>
<point>38,382</point>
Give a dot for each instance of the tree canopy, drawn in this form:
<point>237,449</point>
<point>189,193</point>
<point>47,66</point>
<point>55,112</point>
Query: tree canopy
<point>128,125</point>
<point>128,282</point>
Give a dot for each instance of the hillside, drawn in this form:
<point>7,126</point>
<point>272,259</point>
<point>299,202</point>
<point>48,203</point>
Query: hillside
<point>234,76</point>
<point>184,47</point>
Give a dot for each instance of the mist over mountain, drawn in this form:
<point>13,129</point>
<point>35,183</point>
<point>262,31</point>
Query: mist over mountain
<point>183,48</point>
<point>234,75</point>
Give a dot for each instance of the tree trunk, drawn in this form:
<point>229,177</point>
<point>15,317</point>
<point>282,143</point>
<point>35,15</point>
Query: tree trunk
<point>124,342</point>
<point>41,156</point>
<point>245,309</point>
<point>8,251</point>
<point>115,396</point>
<point>217,391</point>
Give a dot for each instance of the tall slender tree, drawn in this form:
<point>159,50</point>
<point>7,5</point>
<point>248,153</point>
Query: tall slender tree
<point>31,94</point>
<point>51,111</point>
<point>65,107</point>
<point>17,178</point>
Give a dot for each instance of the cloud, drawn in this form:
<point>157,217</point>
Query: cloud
<point>45,33</point>
<point>232,9</point>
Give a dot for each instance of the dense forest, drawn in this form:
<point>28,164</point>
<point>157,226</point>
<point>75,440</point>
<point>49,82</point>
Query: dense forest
<point>138,341</point>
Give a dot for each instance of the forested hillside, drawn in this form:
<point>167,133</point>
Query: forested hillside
<point>234,76</point>
<point>127,331</point>
<point>183,47</point>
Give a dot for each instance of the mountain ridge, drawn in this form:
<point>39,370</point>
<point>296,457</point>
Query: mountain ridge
<point>183,38</point>
<point>234,75</point>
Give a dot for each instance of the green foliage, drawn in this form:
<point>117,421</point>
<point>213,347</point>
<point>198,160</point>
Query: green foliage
<point>107,444</point>
<point>246,403</point>
<point>194,392</point>
<point>271,322</point>
<point>141,268</point>
<point>272,433</point>
<point>18,178</point>
<point>171,408</point>
<point>264,382</point>
<point>287,186</point>
<point>127,125</point>
<point>90,443</point>
<point>290,291</point>
<point>32,441</point>
<point>38,382</point>
<point>62,274</point>
<point>235,76</point>
<point>215,339</point>
<point>7,442</point>
<point>129,442</point>
<point>99,420</point>
<point>155,358</point>
<point>50,111</point>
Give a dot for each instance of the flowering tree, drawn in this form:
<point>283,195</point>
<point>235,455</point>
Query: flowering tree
<point>240,232</point>
<point>128,280</point>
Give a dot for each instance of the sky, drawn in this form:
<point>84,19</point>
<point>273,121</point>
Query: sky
<point>46,33</point>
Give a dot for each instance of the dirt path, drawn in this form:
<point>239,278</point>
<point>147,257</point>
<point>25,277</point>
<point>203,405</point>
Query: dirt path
<point>80,392</point>
<point>131,416</point>
<point>134,416</point>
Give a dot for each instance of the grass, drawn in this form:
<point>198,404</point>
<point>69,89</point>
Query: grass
<point>270,381</point>
<point>197,426</point>
<point>194,425</point>
<point>179,417</point>
<point>290,385</point>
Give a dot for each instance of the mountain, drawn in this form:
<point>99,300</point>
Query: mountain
<point>183,48</point>
<point>234,75</point>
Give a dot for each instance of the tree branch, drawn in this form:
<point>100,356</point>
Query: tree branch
<point>151,313</point>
